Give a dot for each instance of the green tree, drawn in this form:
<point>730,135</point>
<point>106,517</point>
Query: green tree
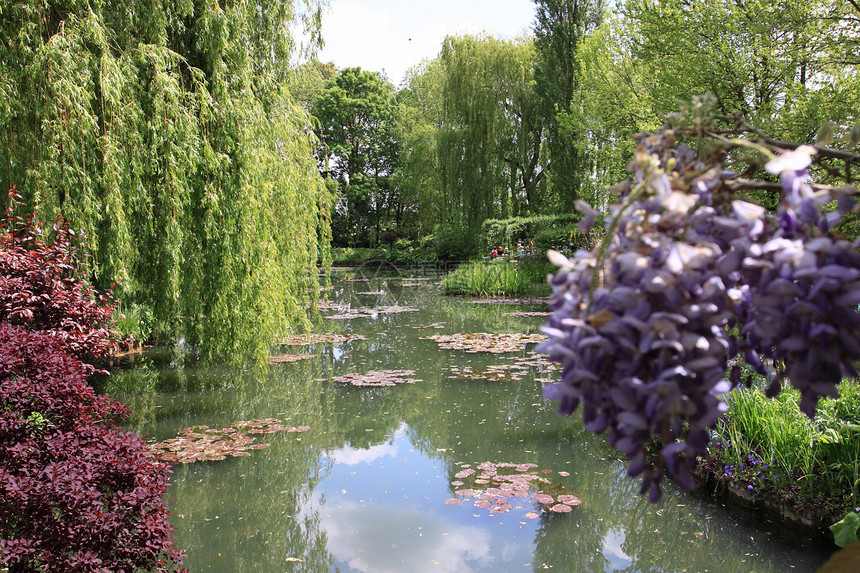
<point>308,80</point>
<point>167,135</point>
<point>419,119</point>
<point>560,26</point>
<point>356,114</point>
<point>489,141</point>
<point>785,65</point>
<point>614,102</point>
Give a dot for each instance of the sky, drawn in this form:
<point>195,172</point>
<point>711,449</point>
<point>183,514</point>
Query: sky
<point>394,35</point>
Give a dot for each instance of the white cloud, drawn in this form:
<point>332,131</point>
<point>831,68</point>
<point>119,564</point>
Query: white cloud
<point>394,35</point>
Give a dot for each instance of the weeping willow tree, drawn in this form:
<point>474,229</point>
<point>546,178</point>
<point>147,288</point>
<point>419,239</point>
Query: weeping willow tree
<point>166,133</point>
<point>488,145</point>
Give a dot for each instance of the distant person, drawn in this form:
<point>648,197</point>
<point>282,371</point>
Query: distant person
<point>495,254</point>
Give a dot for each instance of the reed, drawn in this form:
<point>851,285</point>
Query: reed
<point>486,279</point>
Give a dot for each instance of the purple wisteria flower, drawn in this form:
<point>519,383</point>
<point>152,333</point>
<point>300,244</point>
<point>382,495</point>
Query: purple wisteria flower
<point>642,326</point>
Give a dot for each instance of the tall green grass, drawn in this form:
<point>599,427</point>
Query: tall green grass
<point>486,279</point>
<point>495,278</point>
<point>770,443</point>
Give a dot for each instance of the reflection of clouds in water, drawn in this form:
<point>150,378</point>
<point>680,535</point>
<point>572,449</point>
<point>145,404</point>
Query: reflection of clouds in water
<point>337,352</point>
<point>352,456</point>
<point>613,552</point>
<point>394,539</point>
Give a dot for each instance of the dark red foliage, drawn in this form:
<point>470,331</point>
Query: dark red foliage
<point>77,493</point>
<point>40,289</point>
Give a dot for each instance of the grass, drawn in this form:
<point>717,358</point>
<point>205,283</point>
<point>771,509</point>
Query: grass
<point>497,277</point>
<point>770,447</point>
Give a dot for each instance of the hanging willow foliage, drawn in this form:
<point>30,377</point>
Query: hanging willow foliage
<point>166,133</point>
<point>488,147</point>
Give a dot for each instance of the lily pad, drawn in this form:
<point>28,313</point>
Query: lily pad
<point>370,311</point>
<point>204,444</point>
<point>525,313</point>
<point>498,486</point>
<point>569,499</point>
<point>306,339</point>
<point>431,325</point>
<point>517,301</point>
<point>288,358</point>
<point>482,342</point>
<point>378,378</point>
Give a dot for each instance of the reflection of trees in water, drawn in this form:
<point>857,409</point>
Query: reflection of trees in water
<point>245,514</point>
<point>571,542</point>
<point>686,535</point>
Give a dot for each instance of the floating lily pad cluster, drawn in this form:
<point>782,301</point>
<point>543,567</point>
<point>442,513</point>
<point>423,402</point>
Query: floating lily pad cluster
<point>370,311</point>
<point>517,301</point>
<point>502,487</point>
<point>205,444</point>
<point>525,313</point>
<point>494,373</point>
<point>288,358</point>
<point>378,378</point>
<point>482,342</point>
<point>505,372</point>
<point>431,325</point>
<point>535,360</point>
<point>306,339</point>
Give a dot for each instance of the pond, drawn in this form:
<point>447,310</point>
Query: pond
<point>441,472</point>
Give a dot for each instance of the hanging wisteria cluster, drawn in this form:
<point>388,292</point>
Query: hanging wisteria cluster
<point>689,279</point>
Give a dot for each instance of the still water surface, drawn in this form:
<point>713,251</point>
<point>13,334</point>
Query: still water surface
<point>365,488</point>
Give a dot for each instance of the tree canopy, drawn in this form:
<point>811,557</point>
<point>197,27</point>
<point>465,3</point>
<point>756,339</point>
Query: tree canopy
<point>356,115</point>
<point>169,137</point>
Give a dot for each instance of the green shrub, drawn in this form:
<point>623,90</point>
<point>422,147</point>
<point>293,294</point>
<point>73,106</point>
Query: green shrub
<point>407,251</point>
<point>547,231</point>
<point>455,245</point>
<point>135,323</point>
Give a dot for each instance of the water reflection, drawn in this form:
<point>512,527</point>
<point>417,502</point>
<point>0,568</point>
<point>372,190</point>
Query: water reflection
<point>351,456</point>
<point>365,488</point>
<point>389,540</point>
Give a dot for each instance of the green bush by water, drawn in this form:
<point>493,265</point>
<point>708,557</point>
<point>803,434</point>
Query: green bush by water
<point>557,232</point>
<point>768,445</point>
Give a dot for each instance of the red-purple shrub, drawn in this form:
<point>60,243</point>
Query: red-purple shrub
<point>40,288</point>
<point>76,492</point>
